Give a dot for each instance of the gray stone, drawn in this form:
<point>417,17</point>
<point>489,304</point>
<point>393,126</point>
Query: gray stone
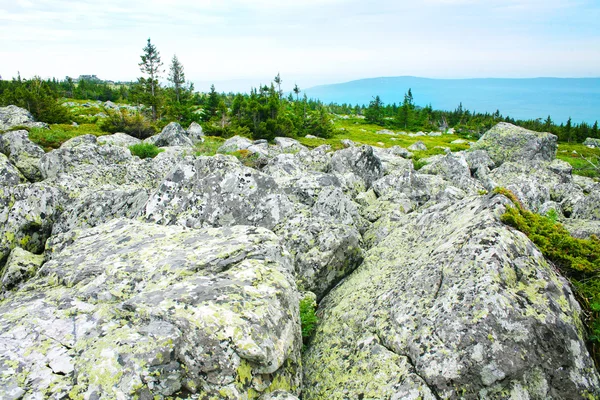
<point>451,304</point>
<point>507,142</point>
<point>195,132</point>
<point>22,153</point>
<point>9,174</point>
<point>118,139</point>
<point>360,161</point>
<point>417,146</point>
<point>14,117</point>
<point>289,145</point>
<point>20,266</point>
<point>592,142</point>
<point>235,143</point>
<point>171,135</point>
<point>400,151</point>
<point>129,309</point>
<point>454,169</point>
<point>478,159</point>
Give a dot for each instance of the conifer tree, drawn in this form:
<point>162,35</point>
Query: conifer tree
<point>176,76</point>
<point>151,65</point>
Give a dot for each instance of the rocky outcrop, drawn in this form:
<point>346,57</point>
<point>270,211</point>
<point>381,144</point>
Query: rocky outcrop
<point>507,142</point>
<point>451,305</point>
<point>209,312</point>
<point>13,117</point>
<point>172,135</point>
<point>22,153</point>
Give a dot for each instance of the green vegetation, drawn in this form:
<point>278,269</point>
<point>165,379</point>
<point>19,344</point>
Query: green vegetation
<point>308,318</point>
<point>145,150</point>
<point>577,259</point>
<point>209,147</point>
<point>133,124</point>
<point>581,158</point>
<point>54,137</point>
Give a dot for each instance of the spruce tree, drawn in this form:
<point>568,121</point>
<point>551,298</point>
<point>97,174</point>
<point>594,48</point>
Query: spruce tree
<point>151,66</point>
<point>176,76</point>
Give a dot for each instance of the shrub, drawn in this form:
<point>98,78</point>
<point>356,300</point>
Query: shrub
<point>308,318</point>
<point>577,259</point>
<point>145,150</point>
<point>122,121</point>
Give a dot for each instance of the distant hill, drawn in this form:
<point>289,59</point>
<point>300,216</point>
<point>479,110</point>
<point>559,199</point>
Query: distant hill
<point>578,98</point>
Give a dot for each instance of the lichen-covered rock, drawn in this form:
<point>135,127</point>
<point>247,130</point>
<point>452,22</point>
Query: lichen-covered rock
<point>99,207</point>
<point>279,395</point>
<point>9,174</point>
<point>27,213</point>
<point>408,184</point>
<point>582,228</point>
<point>451,304</point>
<point>134,310</point>
<point>587,207</point>
<point>417,146</point>
<point>20,266</point>
<point>592,142</point>
<point>171,135</point>
<point>22,153</point>
<point>400,151</point>
<point>507,142</point>
<point>119,139</point>
<point>195,132</point>
<point>477,159</point>
<point>360,161</point>
<point>217,191</point>
<point>235,143</point>
<point>13,116</point>
<point>454,169</point>
<point>289,145</point>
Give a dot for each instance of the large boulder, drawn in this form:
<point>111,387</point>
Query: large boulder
<point>22,153</point>
<point>27,213</point>
<point>195,133</point>
<point>507,142</point>
<point>135,310</point>
<point>9,174</point>
<point>454,169</point>
<point>360,161</point>
<point>289,145</point>
<point>20,266</point>
<point>118,139</point>
<point>217,191</point>
<point>592,142</point>
<point>14,117</point>
<point>171,135</point>
<point>235,143</point>
<point>451,304</point>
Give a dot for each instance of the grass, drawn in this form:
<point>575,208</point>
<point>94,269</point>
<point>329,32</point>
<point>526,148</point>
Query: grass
<point>575,154</point>
<point>210,146</point>
<point>54,137</point>
<point>577,259</point>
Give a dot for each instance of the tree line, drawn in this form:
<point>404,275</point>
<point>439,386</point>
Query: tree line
<point>410,117</point>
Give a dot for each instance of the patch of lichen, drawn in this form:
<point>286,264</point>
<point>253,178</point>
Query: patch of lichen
<point>577,259</point>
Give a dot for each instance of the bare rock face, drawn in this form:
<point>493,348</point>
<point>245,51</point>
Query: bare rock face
<point>507,142</point>
<point>13,116</point>
<point>451,304</point>
<point>129,309</point>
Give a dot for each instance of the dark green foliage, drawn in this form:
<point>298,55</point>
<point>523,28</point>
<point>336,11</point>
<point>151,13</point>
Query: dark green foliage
<point>35,95</point>
<point>122,121</point>
<point>145,150</point>
<point>54,137</point>
<point>308,318</point>
<point>577,259</point>
<point>374,114</point>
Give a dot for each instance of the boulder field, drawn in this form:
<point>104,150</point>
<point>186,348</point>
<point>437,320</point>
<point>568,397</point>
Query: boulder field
<point>181,276</point>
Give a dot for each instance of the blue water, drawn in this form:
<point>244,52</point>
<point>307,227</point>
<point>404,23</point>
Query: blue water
<point>561,98</point>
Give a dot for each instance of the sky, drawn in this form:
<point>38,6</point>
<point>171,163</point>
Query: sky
<point>237,43</point>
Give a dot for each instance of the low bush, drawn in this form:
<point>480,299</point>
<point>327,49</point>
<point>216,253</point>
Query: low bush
<point>134,124</point>
<point>577,259</point>
<point>308,318</point>
<point>145,150</point>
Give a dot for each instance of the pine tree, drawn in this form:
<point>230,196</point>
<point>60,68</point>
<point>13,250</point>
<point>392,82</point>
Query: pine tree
<point>176,76</point>
<point>594,132</point>
<point>151,66</point>
<point>278,82</point>
<point>297,91</point>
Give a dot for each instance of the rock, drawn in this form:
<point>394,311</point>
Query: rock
<point>20,266</point>
<point>592,142</point>
<point>400,151</point>
<point>451,304</point>
<point>311,137</point>
<point>235,143</point>
<point>118,139</point>
<point>588,207</point>
<point>99,207</point>
<point>195,133</point>
<point>13,117</point>
<point>129,309</point>
<point>9,174</point>
<point>109,104</point>
<point>278,395</point>
<point>361,161</point>
<point>582,228</point>
<point>347,143</point>
<point>479,159</point>
<point>417,146</point>
<point>171,135</point>
<point>507,142</point>
<point>459,141</point>
<point>27,213</point>
<point>217,191</point>
<point>454,169</point>
<point>386,132</point>
<point>434,134</point>
<point>22,153</point>
<point>399,187</point>
<point>288,145</point>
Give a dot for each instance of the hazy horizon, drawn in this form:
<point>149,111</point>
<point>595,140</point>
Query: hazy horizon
<point>310,43</point>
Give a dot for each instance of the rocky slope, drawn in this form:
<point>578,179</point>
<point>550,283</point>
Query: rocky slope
<point>181,275</point>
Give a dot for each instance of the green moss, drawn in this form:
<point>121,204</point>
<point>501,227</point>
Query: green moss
<point>577,259</point>
<point>308,318</point>
<point>145,150</point>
